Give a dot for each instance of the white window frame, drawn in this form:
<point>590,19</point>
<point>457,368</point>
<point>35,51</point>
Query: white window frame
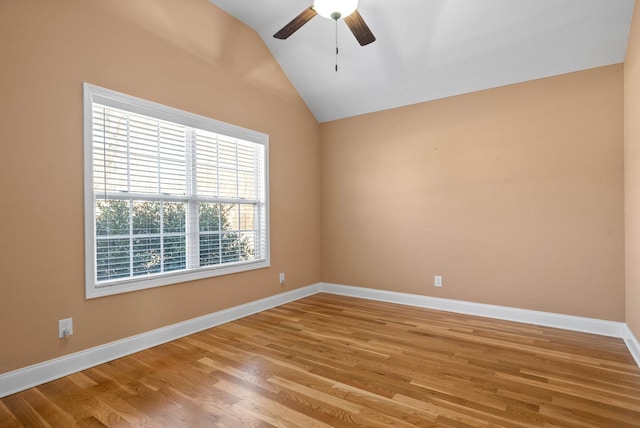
<point>95,94</point>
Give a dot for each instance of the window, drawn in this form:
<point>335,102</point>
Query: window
<point>170,196</point>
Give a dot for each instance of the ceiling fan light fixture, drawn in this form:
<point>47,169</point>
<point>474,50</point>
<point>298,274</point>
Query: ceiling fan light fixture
<point>335,9</point>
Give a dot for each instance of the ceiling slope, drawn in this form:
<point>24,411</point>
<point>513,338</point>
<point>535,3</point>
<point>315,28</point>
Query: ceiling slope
<point>433,49</point>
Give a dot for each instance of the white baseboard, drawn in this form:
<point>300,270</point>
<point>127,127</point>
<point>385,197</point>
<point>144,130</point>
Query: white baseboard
<point>37,374</point>
<point>547,319</point>
<point>21,379</point>
<point>632,343</point>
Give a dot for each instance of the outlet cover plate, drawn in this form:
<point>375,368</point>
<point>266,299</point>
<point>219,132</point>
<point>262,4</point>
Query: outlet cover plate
<point>65,327</point>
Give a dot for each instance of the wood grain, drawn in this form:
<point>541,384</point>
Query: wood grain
<point>335,361</point>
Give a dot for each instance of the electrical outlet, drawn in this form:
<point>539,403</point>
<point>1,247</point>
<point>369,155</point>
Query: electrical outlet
<point>65,328</point>
<point>437,281</point>
<point>282,278</point>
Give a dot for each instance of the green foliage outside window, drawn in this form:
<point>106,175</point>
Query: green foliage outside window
<point>142,237</point>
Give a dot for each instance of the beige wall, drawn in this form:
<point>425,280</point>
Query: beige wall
<point>632,174</point>
<point>514,195</point>
<point>183,53</point>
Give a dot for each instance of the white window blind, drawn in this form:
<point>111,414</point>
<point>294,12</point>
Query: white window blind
<point>169,196</point>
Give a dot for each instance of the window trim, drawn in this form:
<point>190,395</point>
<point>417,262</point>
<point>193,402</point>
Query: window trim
<point>91,94</point>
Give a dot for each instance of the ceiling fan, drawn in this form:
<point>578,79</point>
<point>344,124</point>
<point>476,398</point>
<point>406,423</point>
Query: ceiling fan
<point>331,9</point>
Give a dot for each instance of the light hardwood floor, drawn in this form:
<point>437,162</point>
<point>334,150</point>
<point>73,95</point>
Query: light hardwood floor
<point>337,361</point>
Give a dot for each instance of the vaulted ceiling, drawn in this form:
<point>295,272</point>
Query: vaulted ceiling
<point>430,49</point>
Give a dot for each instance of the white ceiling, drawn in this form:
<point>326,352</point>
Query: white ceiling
<point>430,49</point>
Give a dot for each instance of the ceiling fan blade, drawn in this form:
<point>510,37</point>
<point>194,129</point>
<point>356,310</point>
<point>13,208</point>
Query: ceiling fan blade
<point>296,23</point>
<point>359,29</point>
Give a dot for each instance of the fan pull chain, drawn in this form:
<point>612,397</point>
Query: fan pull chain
<point>336,45</point>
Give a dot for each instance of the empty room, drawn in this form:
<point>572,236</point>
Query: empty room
<point>300,213</point>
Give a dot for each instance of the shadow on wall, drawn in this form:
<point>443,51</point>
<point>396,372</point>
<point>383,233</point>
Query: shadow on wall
<point>208,33</point>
